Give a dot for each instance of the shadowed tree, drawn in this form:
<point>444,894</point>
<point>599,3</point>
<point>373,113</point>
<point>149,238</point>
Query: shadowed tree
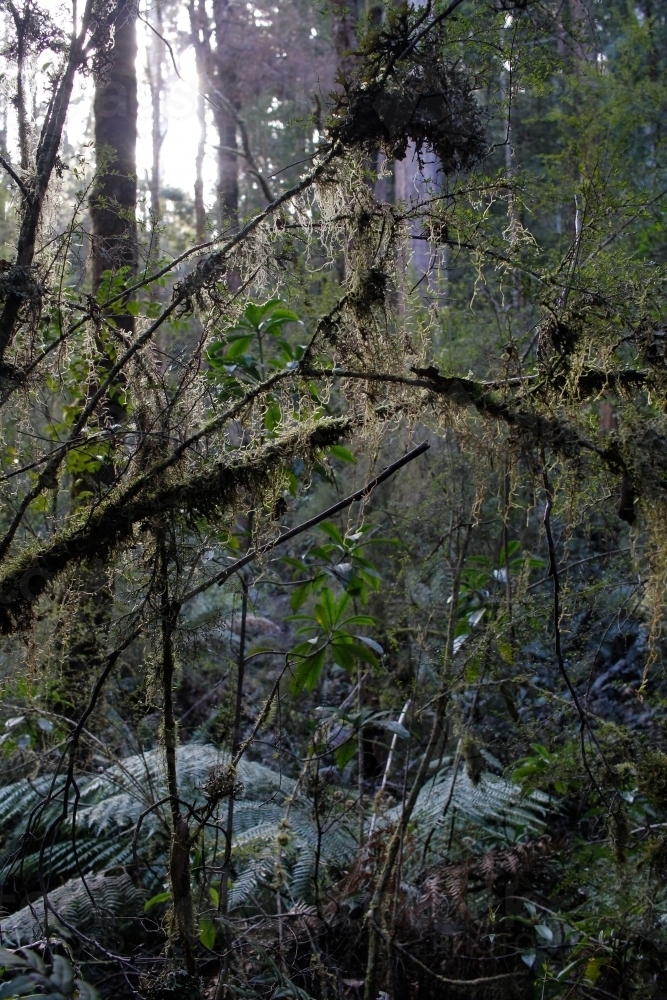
<point>114,197</point>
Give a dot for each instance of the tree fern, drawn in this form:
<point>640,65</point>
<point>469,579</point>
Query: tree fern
<point>113,896</point>
<point>111,804</point>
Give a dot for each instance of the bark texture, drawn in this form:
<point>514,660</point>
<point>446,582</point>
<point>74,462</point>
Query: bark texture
<point>115,194</point>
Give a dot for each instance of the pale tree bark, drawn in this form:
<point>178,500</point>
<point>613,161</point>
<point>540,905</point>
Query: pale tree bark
<point>415,183</point>
<point>201,41</point>
<point>155,77</point>
<point>344,33</point>
<point>19,98</point>
<point>200,210</point>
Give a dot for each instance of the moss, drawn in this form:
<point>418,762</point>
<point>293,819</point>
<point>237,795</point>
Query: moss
<point>217,487</point>
<point>652,778</point>
<point>473,758</point>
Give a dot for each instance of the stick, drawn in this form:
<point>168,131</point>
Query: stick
<point>329,512</point>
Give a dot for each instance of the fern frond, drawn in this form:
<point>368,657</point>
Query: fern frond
<point>114,897</point>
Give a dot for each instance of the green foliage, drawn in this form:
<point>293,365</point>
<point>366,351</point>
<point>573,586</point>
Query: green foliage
<point>331,636</point>
<point>253,347</point>
<point>33,978</point>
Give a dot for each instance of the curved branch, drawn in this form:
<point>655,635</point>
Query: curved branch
<point>216,486</point>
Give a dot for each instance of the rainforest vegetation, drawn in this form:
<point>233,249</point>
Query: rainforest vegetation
<point>333,499</point>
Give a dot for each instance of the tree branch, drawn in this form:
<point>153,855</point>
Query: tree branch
<point>15,177</point>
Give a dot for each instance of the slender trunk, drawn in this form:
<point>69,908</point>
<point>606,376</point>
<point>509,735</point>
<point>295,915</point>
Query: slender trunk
<point>236,744</point>
<point>360,755</point>
<point>374,914</point>
<point>236,733</point>
<point>114,245</point>
<point>506,96</point>
<point>21,111</point>
<point>155,76</point>
<point>200,35</point>
<point>179,858</point>
<point>200,211</point>
<point>228,165</point>
<point>3,181</point>
<point>45,161</point>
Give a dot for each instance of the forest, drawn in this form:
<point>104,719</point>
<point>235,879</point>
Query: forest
<point>333,499</point>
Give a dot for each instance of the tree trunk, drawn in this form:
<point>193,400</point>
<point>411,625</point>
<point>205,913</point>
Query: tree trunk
<point>344,33</point>
<point>200,34</point>
<point>154,74</point>
<point>114,197</point>
<point>200,211</point>
<point>224,80</point>
<point>114,246</point>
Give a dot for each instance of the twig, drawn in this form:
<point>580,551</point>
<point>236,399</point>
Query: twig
<point>444,979</point>
<point>15,177</point>
<point>360,494</point>
<point>553,573</point>
<point>390,760</point>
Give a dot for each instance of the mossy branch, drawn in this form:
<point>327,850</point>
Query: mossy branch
<point>217,487</point>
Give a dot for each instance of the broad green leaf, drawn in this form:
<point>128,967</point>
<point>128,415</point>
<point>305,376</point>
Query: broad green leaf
<point>300,595</point>
<point>345,653</point>
<point>160,897</point>
<point>594,968</point>
<point>342,454</point>
<point>345,752</point>
<point>272,416</point>
<point>372,644</point>
<point>207,933</point>
<point>237,348</point>
<point>17,987</point>
<point>360,620</point>
<point>307,671</point>
<point>332,530</point>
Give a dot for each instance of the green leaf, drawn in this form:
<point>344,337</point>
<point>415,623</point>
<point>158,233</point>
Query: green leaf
<point>372,644</point>
<point>345,752</point>
<point>360,620</point>
<point>62,976</point>
<point>329,611</point>
<point>132,307</point>
<point>17,987</point>
<point>207,933</point>
<point>343,454</point>
<point>308,671</point>
<point>160,897</point>
<point>346,652</point>
<point>272,416</point>
<point>238,348</point>
<point>332,530</point>
<point>300,595</point>
<point>215,896</point>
